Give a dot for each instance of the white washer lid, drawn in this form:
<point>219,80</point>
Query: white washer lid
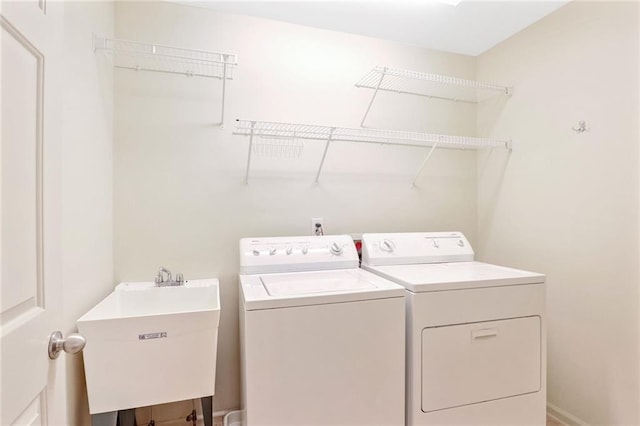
<point>455,275</point>
<point>290,289</point>
<point>298,284</point>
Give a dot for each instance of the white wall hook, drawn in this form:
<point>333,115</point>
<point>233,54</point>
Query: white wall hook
<point>582,127</point>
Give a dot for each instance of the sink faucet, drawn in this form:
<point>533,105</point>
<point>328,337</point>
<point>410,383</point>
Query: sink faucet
<point>161,282</point>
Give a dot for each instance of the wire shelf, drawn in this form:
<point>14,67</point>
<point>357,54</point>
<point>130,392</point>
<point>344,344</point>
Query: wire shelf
<point>432,86</point>
<point>160,58</point>
<point>167,59</point>
<point>375,136</point>
<point>423,84</point>
<point>282,131</point>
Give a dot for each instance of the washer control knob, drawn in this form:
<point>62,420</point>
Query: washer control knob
<point>435,243</point>
<point>460,243</point>
<point>256,252</point>
<point>335,249</point>
<point>289,251</point>
<point>305,249</point>
<point>387,246</point>
<point>272,252</point>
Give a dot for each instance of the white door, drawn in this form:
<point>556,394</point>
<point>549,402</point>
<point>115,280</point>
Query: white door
<point>31,291</point>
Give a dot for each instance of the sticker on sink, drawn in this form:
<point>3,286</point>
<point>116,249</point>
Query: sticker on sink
<point>149,336</point>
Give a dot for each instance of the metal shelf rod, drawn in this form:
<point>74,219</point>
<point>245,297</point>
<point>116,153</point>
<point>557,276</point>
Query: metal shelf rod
<point>404,92</point>
<point>224,91</point>
<point>177,58</point>
<point>424,163</point>
<point>188,74</point>
<point>324,154</point>
<point>373,97</point>
<point>246,176</point>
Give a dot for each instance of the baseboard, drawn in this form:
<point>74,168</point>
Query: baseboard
<point>564,417</point>
<point>218,417</point>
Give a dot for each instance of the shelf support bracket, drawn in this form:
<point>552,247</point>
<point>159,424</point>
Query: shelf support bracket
<point>384,71</point>
<point>224,88</point>
<point>246,176</point>
<point>424,163</point>
<point>324,154</point>
<point>98,43</point>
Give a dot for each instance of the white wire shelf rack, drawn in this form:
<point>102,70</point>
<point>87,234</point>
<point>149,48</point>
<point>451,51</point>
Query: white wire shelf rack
<point>297,132</point>
<point>432,86</point>
<point>151,57</point>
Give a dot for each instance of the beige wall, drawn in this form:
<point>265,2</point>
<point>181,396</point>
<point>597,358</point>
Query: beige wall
<point>566,204</point>
<point>179,196</point>
<point>561,203</point>
<point>87,230</point>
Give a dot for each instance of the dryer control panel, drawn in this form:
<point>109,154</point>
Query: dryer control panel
<point>296,254</point>
<point>415,247</point>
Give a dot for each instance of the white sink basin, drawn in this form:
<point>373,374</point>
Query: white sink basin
<point>149,345</point>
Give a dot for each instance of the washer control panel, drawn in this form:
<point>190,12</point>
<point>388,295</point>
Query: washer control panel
<point>294,254</point>
<point>415,247</point>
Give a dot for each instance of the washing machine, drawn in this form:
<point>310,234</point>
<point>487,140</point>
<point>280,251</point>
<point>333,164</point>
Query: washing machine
<point>476,335</point>
<point>322,341</point>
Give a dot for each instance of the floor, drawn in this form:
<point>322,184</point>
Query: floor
<point>218,421</point>
<point>550,421</point>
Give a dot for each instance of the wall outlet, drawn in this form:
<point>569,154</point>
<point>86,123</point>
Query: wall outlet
<point>317,226</point>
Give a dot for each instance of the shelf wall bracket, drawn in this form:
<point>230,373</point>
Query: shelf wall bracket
<point>224,88</point>
<point>384,71</point>
<point>97,42</point>
<point>246,176</point>
<point>324,154</point>
<point>424,163</point>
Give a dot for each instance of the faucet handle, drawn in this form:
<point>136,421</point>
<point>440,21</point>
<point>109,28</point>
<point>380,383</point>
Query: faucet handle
<point>159,278</point>
<point>179,278</point>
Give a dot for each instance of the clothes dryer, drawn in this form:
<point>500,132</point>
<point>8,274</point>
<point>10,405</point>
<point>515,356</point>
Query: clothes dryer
<point>322,341</point>
<point>476,332</point>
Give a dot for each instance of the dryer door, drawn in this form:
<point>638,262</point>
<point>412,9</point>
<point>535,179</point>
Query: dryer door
<point>470,363</point>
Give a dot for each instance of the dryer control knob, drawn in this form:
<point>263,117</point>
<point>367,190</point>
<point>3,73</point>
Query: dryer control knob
<point>272,252</point>
<point>256,253</point>
<point>435,243</point>
<point>460,243</point>
<point>305,250</point>
<point>387,245</point>
<point>335,249</point>
<point>289,250</point>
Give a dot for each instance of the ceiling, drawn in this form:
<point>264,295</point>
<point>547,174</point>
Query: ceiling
<point>470,27</point>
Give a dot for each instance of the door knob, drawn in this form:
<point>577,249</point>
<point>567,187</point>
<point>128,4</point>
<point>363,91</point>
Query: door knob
<point>73,344</point>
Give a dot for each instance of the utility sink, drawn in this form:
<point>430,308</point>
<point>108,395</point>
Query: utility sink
<point>149,345</point>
